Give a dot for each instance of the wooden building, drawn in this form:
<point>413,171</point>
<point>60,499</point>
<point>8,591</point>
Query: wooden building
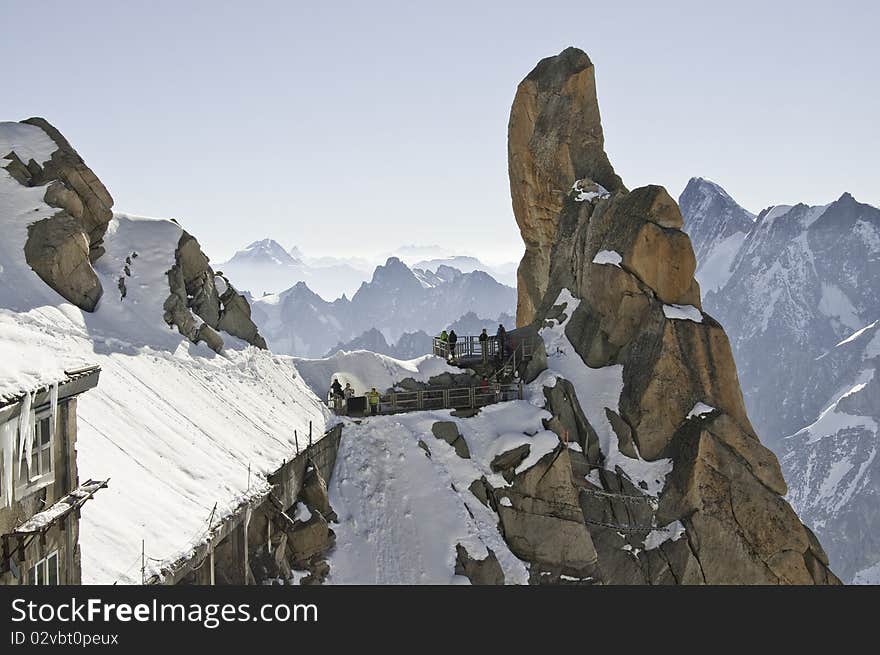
<point>40,491</point>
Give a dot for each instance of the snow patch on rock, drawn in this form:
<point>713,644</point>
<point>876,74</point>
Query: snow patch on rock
<point>683,313</point>
<point>597,389</point>
<point>608,257</point>
<point>700,410</point>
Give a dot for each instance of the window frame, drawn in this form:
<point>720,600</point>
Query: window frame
<point>29,483</point>
<point>39,573</point>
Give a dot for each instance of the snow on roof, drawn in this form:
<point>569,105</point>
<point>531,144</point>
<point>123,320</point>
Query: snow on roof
<point>175,424</point>
<point>63,507</point>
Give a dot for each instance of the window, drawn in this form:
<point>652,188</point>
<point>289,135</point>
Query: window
<point>44,572</point>
<point>41,453</point>
<point>39,459</point>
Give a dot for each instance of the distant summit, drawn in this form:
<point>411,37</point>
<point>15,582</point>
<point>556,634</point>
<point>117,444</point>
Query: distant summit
<point>266,252</point>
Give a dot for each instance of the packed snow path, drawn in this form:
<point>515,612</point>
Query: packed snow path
<point>402,512</point>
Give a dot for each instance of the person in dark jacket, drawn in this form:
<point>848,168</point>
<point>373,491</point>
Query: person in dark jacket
<point>453,338</point>
<point>501,338</point>
<point>337,394</point>
<point>484,345</point>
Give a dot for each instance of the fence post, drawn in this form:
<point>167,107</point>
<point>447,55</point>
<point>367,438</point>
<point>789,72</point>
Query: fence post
<point>296,442</point>
<point>472,397</point>
<point>446,398</point>
<point>520,390</point>
<point>393,402</point>
<point>420,399</point>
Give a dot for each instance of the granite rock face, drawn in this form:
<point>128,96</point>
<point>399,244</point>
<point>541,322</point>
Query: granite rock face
<point>195,293</point>
<point>623,257</point>
<point>554,139</point>
<point>62,248</point>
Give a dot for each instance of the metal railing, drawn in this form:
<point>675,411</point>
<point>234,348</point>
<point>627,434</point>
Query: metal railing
<point>441,398</point>
<point>470,347</point>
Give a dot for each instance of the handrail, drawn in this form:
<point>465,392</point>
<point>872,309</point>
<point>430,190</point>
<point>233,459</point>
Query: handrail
<point>471,346</point>
<point>446,398</point>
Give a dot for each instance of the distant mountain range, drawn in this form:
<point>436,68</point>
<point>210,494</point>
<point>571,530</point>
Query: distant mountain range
<point>265,267</point>
<point>415,344</point>
<point>401,305</point>
<point>797,289</point>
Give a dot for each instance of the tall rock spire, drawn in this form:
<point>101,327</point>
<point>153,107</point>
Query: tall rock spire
<point>554,139</point>
<point>653,376</point>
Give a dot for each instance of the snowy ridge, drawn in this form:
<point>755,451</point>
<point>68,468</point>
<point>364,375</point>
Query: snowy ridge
<point>717,226</point>
<point>364,369</point>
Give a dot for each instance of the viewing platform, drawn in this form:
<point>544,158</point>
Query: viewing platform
<point>470,352</point>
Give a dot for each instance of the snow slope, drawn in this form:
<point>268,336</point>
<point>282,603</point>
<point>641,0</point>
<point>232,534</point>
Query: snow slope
<point>174,425</point>
<point>402,513</point>
<point>365,369</point>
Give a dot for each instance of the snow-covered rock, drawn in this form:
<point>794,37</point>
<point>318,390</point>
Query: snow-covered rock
<point>174,425</point>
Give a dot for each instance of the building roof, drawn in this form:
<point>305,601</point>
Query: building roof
<point>85,378</point>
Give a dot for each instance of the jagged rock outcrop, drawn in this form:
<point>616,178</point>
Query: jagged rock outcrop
<point>57,250</point>
<point>448,432</point>
<point>554,137</point>
<point>61,248</point>
<point>540,517</point>
<point>623,257</point>
<point>197,290</point>
<point>485,571</point>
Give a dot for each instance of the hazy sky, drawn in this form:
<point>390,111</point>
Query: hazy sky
<point>352,128</point>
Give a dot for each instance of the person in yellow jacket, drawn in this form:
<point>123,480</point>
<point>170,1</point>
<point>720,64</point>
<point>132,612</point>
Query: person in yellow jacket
<point>373,398</point>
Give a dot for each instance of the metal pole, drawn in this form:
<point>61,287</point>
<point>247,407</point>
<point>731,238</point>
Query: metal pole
<point>213,582</point>
<point>310,434</point>
<point>143,562</point>
<point>296,442</point>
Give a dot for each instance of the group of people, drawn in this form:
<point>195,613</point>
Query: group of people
<point>341,398</point>
<point>500,339</point>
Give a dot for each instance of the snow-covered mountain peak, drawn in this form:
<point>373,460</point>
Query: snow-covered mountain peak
<point>717,226</point>
<point>265,252</point>
<point>795,293</point>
